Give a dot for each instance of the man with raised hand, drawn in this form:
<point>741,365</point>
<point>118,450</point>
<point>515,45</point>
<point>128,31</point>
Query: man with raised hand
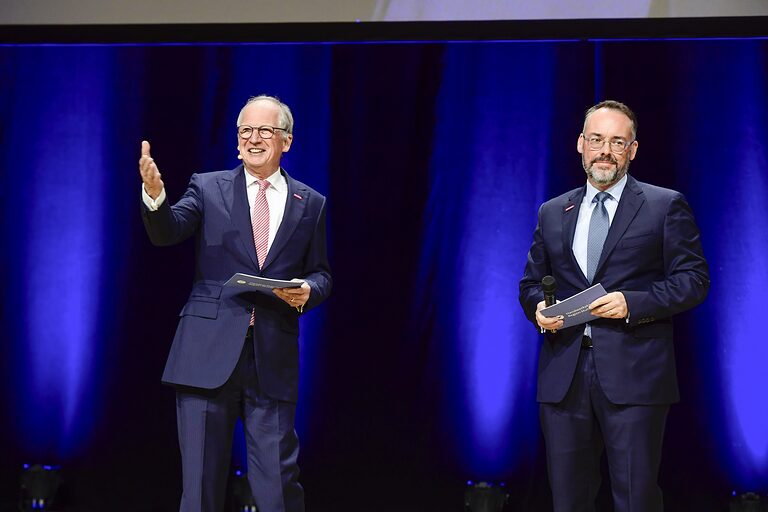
<point>236,355</point>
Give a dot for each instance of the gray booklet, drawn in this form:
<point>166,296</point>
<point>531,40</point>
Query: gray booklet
<point>575,309</point>
<point>250,282</point>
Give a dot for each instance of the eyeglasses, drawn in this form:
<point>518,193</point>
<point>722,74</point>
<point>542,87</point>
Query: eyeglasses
<point>617,146</point>
<point>265,132</point>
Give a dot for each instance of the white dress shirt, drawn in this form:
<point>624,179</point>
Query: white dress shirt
<point>585,215</point>
<point>581,236</point>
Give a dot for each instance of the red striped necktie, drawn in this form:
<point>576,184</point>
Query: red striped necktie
<point>260,226</point>
<point>260,222</point>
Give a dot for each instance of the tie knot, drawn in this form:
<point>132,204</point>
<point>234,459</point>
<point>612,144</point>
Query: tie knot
<point>601,197</point>
<point>263,185</point>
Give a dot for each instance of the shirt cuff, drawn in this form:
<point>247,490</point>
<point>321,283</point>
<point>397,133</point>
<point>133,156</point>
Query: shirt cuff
<point>152,204</point>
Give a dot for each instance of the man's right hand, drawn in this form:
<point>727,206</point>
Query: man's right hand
<point>550,323</point>
<point>150,175</point>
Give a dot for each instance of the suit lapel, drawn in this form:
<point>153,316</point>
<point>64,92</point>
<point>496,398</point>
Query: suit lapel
<point>235,197</point>
<point>295,204</point>
<point>631,200</point>
<point>570,216</point>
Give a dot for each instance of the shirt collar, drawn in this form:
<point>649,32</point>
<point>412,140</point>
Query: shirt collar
<point>276,180</point>
<point>615,191</point>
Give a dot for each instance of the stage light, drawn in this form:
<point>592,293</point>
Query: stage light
<point>240,493</point>
<point>39,484</point>
<point>485,497</point>
<point>748,502</point>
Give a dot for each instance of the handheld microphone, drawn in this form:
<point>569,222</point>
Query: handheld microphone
<point>548,286</point>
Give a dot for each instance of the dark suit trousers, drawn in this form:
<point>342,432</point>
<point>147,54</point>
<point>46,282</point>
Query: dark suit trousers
<point>578,429</point>
<point>206,421</point>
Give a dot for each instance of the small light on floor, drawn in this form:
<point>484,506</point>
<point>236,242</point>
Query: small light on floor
<point>241,494</point>
<point>485,497</point>
<point>39,484</point>
<point>748,502</point>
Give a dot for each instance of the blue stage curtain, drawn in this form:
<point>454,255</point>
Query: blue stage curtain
<point>419,372</point>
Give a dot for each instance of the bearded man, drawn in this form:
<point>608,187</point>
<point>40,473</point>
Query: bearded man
<point>606,387</point>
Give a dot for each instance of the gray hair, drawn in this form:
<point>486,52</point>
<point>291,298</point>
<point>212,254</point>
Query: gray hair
<point>285,118</point>
<point>613,105</point>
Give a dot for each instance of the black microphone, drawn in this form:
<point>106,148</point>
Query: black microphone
<point>548,286</point>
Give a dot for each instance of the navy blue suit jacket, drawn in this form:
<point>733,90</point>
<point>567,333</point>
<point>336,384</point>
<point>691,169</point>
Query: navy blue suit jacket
<point>213,322</point>
<point>653,256</point>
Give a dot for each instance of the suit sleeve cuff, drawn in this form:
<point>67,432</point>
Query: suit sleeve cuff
<point>152,204</point>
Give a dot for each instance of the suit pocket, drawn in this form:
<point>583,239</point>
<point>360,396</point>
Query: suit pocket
<point>201,308</point>
<point>210,290</point>
<point>636,241</point>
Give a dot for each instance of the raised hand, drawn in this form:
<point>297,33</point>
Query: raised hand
<point>150,175</point>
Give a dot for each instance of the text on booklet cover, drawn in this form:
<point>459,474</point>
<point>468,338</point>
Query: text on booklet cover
<point>248,281</point>
<point>575,309</point>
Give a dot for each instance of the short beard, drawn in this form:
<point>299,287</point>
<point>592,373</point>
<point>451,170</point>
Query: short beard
<point>610,177</point>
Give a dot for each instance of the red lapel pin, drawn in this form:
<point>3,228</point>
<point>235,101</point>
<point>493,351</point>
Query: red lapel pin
<point>568,208</point>
<point>297,196</point>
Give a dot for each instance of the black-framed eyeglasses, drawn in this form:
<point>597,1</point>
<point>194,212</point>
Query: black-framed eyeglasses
<point>618,146</point>
<point>265,132</point>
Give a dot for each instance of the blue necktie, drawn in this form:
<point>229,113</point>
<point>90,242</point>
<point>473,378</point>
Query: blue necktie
<point>598,231</point>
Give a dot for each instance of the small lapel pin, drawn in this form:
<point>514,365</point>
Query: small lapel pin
<point>569,208</point>
<point>297,196</point>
